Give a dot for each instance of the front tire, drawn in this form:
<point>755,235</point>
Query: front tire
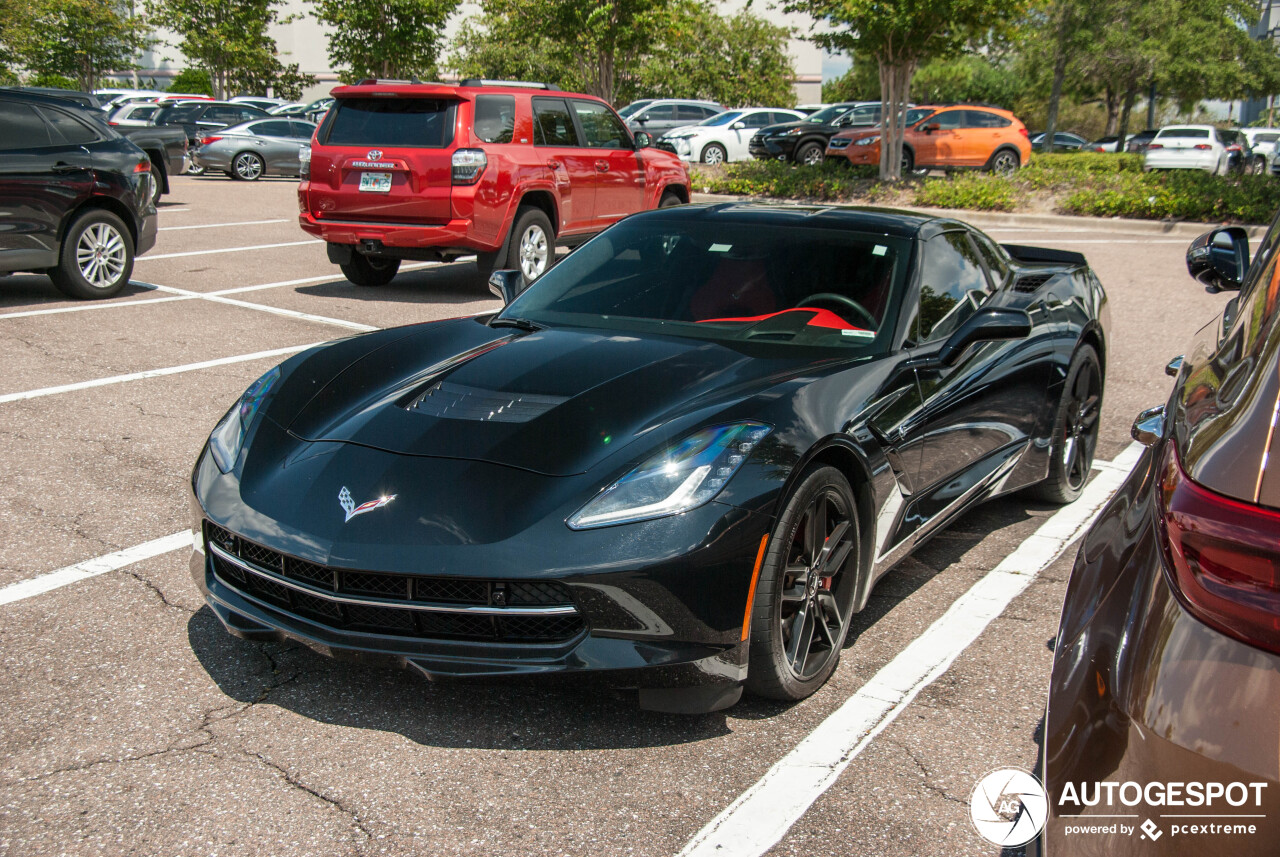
<point>248,167</point>
<point>804,599</point>
<point>714,153</point>
<point>810,155</point>
<point>533,244</point>
<point>1075,433</point>
<point>96,258</point>
<point>370,271</point>
<point>669,200</point>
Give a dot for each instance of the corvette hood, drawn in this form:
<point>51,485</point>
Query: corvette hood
<point>554,402</point>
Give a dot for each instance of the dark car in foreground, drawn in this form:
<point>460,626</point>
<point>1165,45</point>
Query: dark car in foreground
<point>76,198</point>
<point>681,458</point>
<point>1166,669</point>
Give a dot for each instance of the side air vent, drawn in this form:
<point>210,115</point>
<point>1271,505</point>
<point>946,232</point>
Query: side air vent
<point>1028,283</point>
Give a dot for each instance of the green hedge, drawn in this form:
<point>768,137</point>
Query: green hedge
<point>1091,184</point>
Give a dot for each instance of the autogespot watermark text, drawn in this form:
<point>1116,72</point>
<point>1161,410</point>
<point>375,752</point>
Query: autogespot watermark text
<point>1087,808</point>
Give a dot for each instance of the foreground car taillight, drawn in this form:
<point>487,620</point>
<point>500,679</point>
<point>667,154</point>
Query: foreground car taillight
<point>1225,556</point>
<point>1151,146</point>
<point>468,165</point>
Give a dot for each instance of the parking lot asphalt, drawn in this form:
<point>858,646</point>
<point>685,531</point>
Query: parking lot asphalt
<point>131,723</point>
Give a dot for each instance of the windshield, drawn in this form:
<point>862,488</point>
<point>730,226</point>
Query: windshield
<point>763,283</point>
<point>830,114</point>
<point>633,107</point>
<point>722,118</point>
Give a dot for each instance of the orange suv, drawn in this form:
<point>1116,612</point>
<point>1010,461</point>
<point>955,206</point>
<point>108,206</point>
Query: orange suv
<point>504,170</point>
<point>952,136</point>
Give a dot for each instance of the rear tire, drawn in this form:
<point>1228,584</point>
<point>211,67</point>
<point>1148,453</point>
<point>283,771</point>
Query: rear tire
<point>532,249</point>
<point>370,271</point>
<point>807,586</point>
<point>1004,163</point>
<point>96,258</point>
<point>157,183</point>
<point>1075,430</point>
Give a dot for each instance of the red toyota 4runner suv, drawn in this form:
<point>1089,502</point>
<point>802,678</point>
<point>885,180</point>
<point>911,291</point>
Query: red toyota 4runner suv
<point>504,170</point>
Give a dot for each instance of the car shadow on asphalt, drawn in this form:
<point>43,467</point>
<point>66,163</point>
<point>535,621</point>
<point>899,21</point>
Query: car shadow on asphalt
<point>548,713</point>
<point>443,284</point>
<point>36,291</point>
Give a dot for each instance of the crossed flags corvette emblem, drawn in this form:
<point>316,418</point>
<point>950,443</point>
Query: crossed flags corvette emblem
<point>349,506</point>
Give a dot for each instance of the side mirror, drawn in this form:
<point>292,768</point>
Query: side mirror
<point>737,126</point>
<point>506,285</point>
<point>985,325</point>
<point>643,139</point>
<point>1219,258</point>
<point>1148,428</point>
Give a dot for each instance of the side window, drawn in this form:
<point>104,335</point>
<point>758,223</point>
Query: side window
<point>690,113</point>
<point>71,130</point>
<point>952,285</point>
<point>21,127</point>
<point>495,118</point>
<point>275,128</point>
<point>983,119</point>
<point>553,126</point>
<point>756,120</point>
<point>301,130</point>
<point>869,115</point>
<point>949,120</point>
<point>660,113</point>
<point>997,265</point>
<point>600,128</point>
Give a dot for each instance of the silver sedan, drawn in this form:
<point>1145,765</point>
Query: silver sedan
<point>256,148</point>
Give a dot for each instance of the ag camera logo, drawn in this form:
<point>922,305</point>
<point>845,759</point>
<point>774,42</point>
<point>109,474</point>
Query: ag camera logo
<point>1008,807</point>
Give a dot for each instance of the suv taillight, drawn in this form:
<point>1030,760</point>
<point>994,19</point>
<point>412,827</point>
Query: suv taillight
<point>304,163</point>
<point>468,165</point>
<point>1225,556</point>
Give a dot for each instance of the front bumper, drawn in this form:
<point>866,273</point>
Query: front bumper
<point>1143,692</point>
<point>655,604</point>
<point>771,148</point>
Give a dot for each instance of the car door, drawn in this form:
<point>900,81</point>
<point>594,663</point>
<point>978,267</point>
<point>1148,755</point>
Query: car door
<point>940,144</point>
<point>273,139</point>
<point>977,415</point>
<point>572,165</point>
<point>984,132</point>
<point>657,119</point>
<point>742,130</point>
<point>43,176</point>
<point>618,172</point>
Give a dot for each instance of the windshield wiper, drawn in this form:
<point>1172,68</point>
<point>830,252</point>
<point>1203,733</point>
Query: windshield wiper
<point>516,322</point>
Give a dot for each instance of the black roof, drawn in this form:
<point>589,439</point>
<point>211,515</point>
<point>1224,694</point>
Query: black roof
<point>80,99</point>
<point>887,221</point>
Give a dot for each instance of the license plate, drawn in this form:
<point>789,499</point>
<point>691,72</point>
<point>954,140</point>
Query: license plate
<point>376,182</point>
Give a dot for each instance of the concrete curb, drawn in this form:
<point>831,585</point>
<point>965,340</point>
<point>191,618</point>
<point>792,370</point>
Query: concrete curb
<point>1061,222</point>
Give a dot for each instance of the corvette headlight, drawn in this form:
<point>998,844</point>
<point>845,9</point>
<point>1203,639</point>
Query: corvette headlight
<point>867,141</point>
<point>228,437</point>
<point>682,477</point>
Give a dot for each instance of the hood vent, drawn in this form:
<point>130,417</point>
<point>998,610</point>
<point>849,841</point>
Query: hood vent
<point>1028,283</point>
<point>458,402</point>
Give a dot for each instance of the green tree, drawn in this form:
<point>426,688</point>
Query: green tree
<point>738,61</point>
<point>390,38</point>
<point>229,39</point>
<point>901,36</point>
<point>860,83</point>
<point>76,39</point>
<point>194,81</point>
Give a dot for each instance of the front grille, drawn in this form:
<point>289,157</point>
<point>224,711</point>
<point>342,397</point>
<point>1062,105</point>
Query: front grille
<point>391,619</point>
<point>839,143</point>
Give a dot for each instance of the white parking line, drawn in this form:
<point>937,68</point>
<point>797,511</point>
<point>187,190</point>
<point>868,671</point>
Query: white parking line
<point>93,567</point>
<point>86,307</point>
<point>289,313</point>
<point>218,225</point>
<point>763,814</point>
<point>159,256</point>
<point>154,373</point>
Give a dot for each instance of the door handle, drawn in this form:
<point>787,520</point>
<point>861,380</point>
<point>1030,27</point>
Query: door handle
<point>555,165</point>
<point>602,166</point>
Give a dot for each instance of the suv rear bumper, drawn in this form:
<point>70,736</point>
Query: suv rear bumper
<point>453,235</point>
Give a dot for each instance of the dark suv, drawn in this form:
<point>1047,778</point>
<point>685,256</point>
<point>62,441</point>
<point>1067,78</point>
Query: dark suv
<point>75,196</point>
<point>505,171</point>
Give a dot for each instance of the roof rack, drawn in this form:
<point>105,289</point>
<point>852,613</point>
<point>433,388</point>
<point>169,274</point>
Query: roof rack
<point>523,84</point>
<point>370,81</point>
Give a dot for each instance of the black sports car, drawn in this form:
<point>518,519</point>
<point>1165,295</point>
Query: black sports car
<point>682,457</point>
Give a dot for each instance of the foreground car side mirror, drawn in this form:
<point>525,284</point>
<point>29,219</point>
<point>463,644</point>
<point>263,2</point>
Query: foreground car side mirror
<point>506,285</point>
<point>985,325</point>
<point>643,139</point>
<point>1148,428</point>
<point>1220,258</point>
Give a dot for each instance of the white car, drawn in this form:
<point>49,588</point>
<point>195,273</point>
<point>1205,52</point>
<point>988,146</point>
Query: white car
<point>724,137</point>
<point>1263,142</point>
<point>1188,147</point>
<point>262,102</point>
<point>135,114</point>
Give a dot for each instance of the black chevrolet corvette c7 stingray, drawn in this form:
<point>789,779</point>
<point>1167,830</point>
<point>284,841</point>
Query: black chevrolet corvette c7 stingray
<point>682,457</point>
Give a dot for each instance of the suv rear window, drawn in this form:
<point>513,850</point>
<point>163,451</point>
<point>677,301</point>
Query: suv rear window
<point>417,122</point>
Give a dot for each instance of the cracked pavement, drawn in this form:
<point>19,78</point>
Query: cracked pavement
<point>133,724</point>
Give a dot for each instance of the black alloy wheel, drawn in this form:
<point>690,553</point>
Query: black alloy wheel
<point>804,598</point>
<point>1076,435</point>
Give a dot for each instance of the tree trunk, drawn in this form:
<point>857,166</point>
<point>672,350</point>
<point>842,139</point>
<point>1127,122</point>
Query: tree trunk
<point>1130,95</point>
<point>1055,96</point>
<point>1112,100</point>
<point>895,82</point>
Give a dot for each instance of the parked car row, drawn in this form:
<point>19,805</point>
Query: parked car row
<point>953,136</point>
